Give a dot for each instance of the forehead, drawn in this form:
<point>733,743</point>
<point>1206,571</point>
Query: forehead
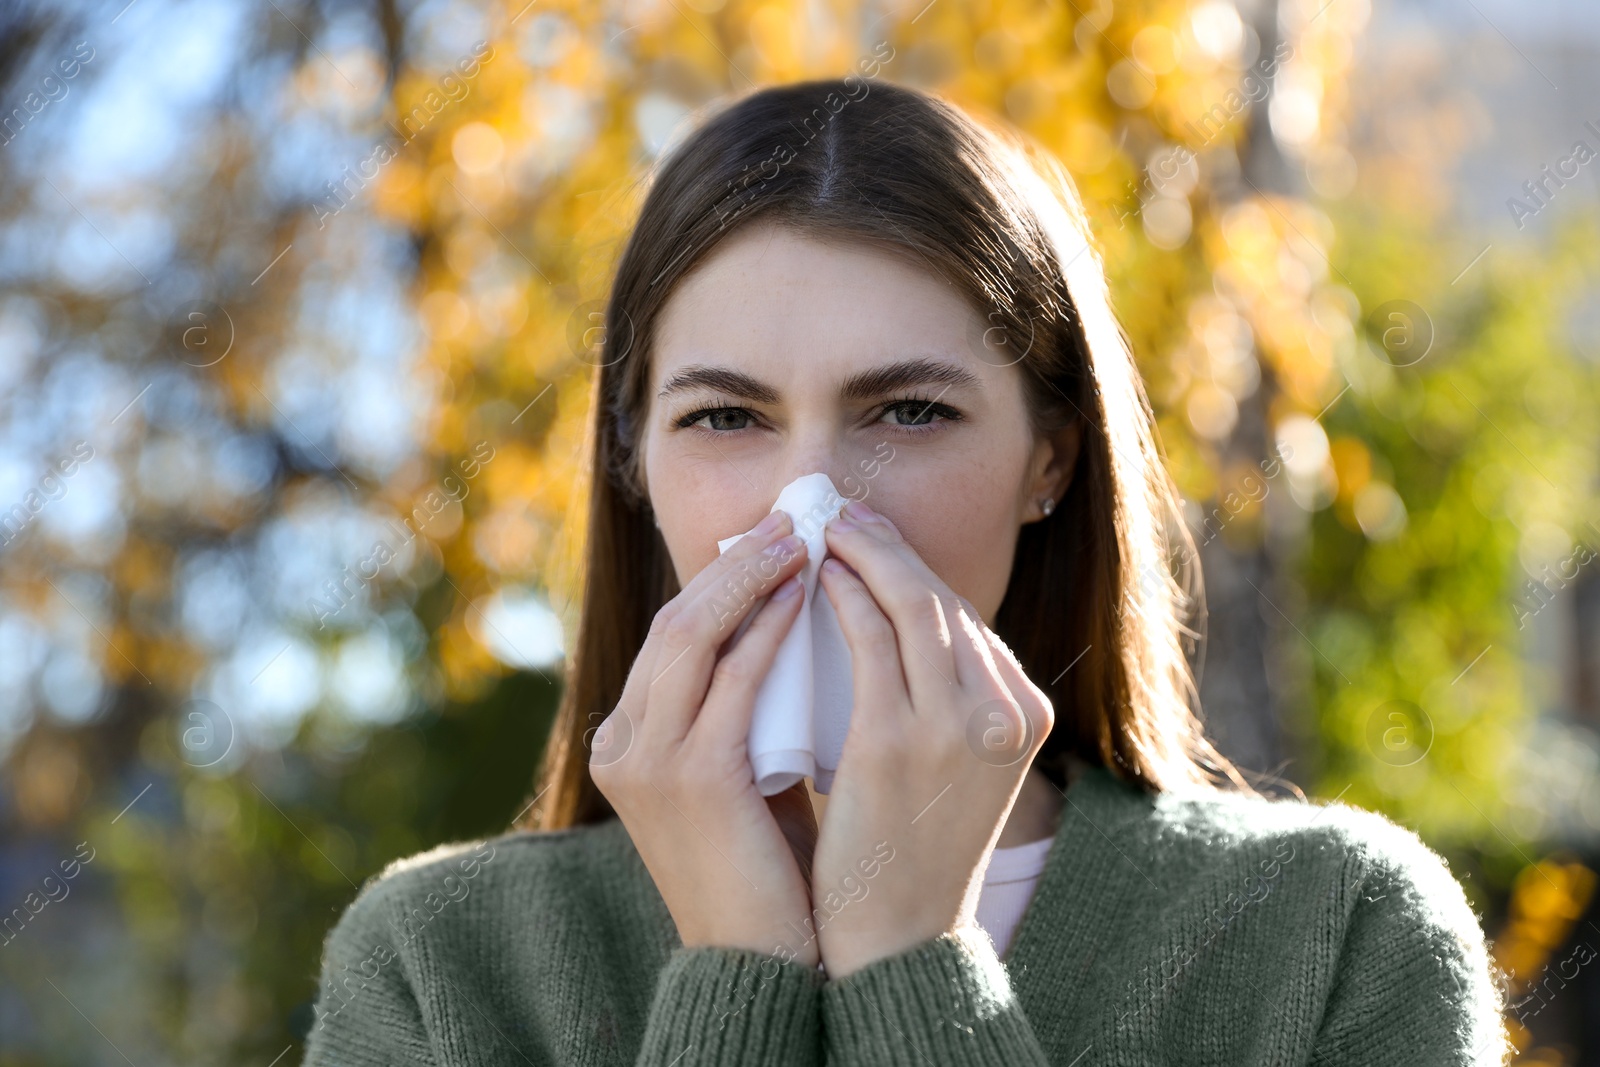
<point>790,305</point>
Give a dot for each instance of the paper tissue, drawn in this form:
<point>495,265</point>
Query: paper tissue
<point>802,709</point>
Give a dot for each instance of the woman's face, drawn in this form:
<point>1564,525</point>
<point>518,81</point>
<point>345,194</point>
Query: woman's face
<point>781,355</point>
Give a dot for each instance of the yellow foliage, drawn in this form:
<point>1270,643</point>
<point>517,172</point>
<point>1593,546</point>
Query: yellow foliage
<point>1547,898</point>
<point>522,208</point>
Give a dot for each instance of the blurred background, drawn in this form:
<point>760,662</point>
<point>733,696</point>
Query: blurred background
<point>297,315</point>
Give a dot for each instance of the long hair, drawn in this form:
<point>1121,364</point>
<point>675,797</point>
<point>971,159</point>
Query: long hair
<point>1102,591</point>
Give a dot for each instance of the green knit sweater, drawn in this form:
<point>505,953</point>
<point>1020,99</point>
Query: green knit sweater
<point>1195,929</point>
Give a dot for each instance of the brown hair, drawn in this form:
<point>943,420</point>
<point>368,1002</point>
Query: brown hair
<point>1096,605</point>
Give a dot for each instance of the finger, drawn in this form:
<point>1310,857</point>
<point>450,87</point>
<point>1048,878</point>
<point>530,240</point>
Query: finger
<point>1004,659</point>
<point>724,717</point>
<point>648,663</point>
<point>691,640</point>
<point>1000,727</point>
<point>884,532</point>
<point>730,566</point>
<point>878,684</point>
<point>975,667</point>
<point>910,595</point>
<point>1000,656</point>
<point>1035,704</point>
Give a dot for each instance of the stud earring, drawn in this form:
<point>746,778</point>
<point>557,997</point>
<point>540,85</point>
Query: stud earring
<point>1048,506</point>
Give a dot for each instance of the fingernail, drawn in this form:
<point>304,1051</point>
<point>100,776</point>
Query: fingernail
<point>787,589</point>
<point>841,523</point>
<point>771,523</point>
<point>786,548</point>
<point>861,511</point>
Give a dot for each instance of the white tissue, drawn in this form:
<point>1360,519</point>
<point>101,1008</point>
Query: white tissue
<point>802,709</point>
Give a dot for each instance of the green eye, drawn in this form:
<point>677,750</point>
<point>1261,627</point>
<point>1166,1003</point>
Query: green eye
<point>719,419</point>
<point>911,414</point>
<point>920,413</point>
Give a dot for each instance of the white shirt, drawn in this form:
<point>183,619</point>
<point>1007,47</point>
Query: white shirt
<point>1008,884</point>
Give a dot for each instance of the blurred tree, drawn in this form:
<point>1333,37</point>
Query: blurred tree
<point>324,317</point>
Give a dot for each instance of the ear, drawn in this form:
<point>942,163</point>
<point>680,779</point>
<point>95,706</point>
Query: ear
<point>1055,458</point>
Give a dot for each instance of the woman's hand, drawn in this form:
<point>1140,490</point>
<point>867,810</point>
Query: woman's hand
<point>673,759</point>
<point>944,728</point>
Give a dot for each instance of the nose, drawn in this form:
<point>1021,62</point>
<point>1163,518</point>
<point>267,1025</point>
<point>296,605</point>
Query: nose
<point>851,467</point>
<point>823,437</point>
<point>812,444</point>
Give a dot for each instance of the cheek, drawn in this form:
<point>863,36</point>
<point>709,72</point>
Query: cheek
<point>699,500</point>
<point>962,521</point>
<point>972,551</point>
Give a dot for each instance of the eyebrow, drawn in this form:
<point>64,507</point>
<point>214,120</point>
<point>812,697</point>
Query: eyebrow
<point>865,385</point>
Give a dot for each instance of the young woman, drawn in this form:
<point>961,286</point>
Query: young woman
<point>862,280</point>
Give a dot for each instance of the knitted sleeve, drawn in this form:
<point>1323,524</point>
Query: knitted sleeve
<point>1413,983</point>
<point>733,1006</point>
<point>945,1001</point>
<point>712,1006</point>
